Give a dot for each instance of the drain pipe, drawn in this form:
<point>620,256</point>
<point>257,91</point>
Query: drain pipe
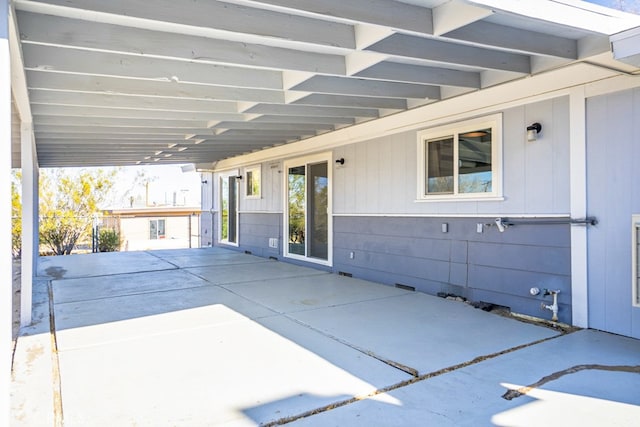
<point>553,307</point>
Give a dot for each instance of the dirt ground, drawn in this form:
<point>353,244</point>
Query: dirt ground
<point>16,298</point>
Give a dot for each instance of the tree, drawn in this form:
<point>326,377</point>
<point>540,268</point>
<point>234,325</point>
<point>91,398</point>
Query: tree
<point>108,240</point>
<point>68,202</point>
<point>16,214</point>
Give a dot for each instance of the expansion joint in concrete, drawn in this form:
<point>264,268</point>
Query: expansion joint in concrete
<point>55,363</point>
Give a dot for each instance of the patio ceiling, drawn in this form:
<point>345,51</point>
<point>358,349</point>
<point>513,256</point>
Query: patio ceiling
<point>126,82</point>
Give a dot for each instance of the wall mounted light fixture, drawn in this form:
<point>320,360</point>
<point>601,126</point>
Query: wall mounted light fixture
<point>533,131</point>
<point>340,161</point>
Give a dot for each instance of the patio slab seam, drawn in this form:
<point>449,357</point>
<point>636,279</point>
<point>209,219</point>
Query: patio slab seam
<point>285,312</point>
<point>48,277</point>
<point>242,282</point>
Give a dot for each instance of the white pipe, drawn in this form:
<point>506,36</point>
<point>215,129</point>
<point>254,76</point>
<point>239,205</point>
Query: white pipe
<point>553,307</point>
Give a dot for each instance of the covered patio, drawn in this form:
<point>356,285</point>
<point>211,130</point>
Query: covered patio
<point>218,337</point>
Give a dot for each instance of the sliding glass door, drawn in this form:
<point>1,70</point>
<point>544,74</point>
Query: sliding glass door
<point>308,209</point>
<point>228,232</point>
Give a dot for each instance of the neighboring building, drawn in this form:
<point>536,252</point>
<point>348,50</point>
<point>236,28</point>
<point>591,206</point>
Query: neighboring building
<point>162,227</point>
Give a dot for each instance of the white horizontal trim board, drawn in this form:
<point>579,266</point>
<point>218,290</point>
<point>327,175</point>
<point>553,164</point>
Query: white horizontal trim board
<point>543,86</point>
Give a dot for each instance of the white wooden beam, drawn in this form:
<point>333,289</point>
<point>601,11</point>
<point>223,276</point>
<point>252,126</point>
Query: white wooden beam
<point>400,45</point>
<point>305,110</point>
<point>294,78</point>
<point>386,13</point>
<point>6,292</point>
<point>303,119</point>
<point>42,136</point>
<point>366,35</point>
<point>357,61</point>
<point>394,71</point>
<point>42,57</point>
<point>626,46</point>
<point>110,85</point>
<point>129,113</point>
<point>211,18</point>
<point>42,29</point>
<point>365,87</point>
<point>352,101</point>
<point>454,14</point>
<point>516,39</point>
<point>120,122</point>
<point>119,130</point>
<point>274,126</point>
<point>152,103</point>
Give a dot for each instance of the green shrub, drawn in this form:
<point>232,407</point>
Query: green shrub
<point>108,240</point>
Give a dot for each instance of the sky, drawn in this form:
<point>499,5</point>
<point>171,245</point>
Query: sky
<point>632,6</point>
<point>164,181</point>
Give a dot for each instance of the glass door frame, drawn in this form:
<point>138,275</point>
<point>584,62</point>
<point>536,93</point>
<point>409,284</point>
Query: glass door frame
<point>222,176</point>
<point>306,161</point>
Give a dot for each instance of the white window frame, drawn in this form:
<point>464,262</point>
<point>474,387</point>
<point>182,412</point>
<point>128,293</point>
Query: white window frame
<point>308,160</point>
<point>222,176</point>
<point>157,221</point>
<point>255,170</point>
<point>635,283</point>
<point>495,123</point>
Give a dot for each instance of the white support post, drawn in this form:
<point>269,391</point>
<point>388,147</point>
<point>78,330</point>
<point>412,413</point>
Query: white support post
<point>578,178</point>
<point>5,216</point>
<point>29,221</point>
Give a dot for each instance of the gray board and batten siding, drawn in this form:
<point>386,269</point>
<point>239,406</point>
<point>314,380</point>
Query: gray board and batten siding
<point>613,196</point>
<point>397,240</point>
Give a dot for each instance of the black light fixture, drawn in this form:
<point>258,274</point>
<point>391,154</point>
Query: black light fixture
<point>533,131</point>
<point>239,177</point>
<point>340,161</point>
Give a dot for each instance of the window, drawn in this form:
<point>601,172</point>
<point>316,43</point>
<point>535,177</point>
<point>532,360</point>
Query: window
<point>252,185</point>
<point>460,161</point>
<point>156,229</point>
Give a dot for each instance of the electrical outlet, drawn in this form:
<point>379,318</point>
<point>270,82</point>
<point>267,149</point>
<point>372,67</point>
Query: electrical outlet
<point>479,228</point>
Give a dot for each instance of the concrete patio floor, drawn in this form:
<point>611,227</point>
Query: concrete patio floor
<point>206,337</point>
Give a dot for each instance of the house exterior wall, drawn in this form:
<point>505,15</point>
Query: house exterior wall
<point>613,179</point>
<point>395,239</point>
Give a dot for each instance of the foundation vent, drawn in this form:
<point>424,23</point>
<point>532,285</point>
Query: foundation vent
<point>405,287</point>
<point>342,273</point>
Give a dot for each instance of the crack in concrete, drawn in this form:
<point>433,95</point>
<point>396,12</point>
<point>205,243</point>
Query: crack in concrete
<point>512,394</point>
<point>413,380</point>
